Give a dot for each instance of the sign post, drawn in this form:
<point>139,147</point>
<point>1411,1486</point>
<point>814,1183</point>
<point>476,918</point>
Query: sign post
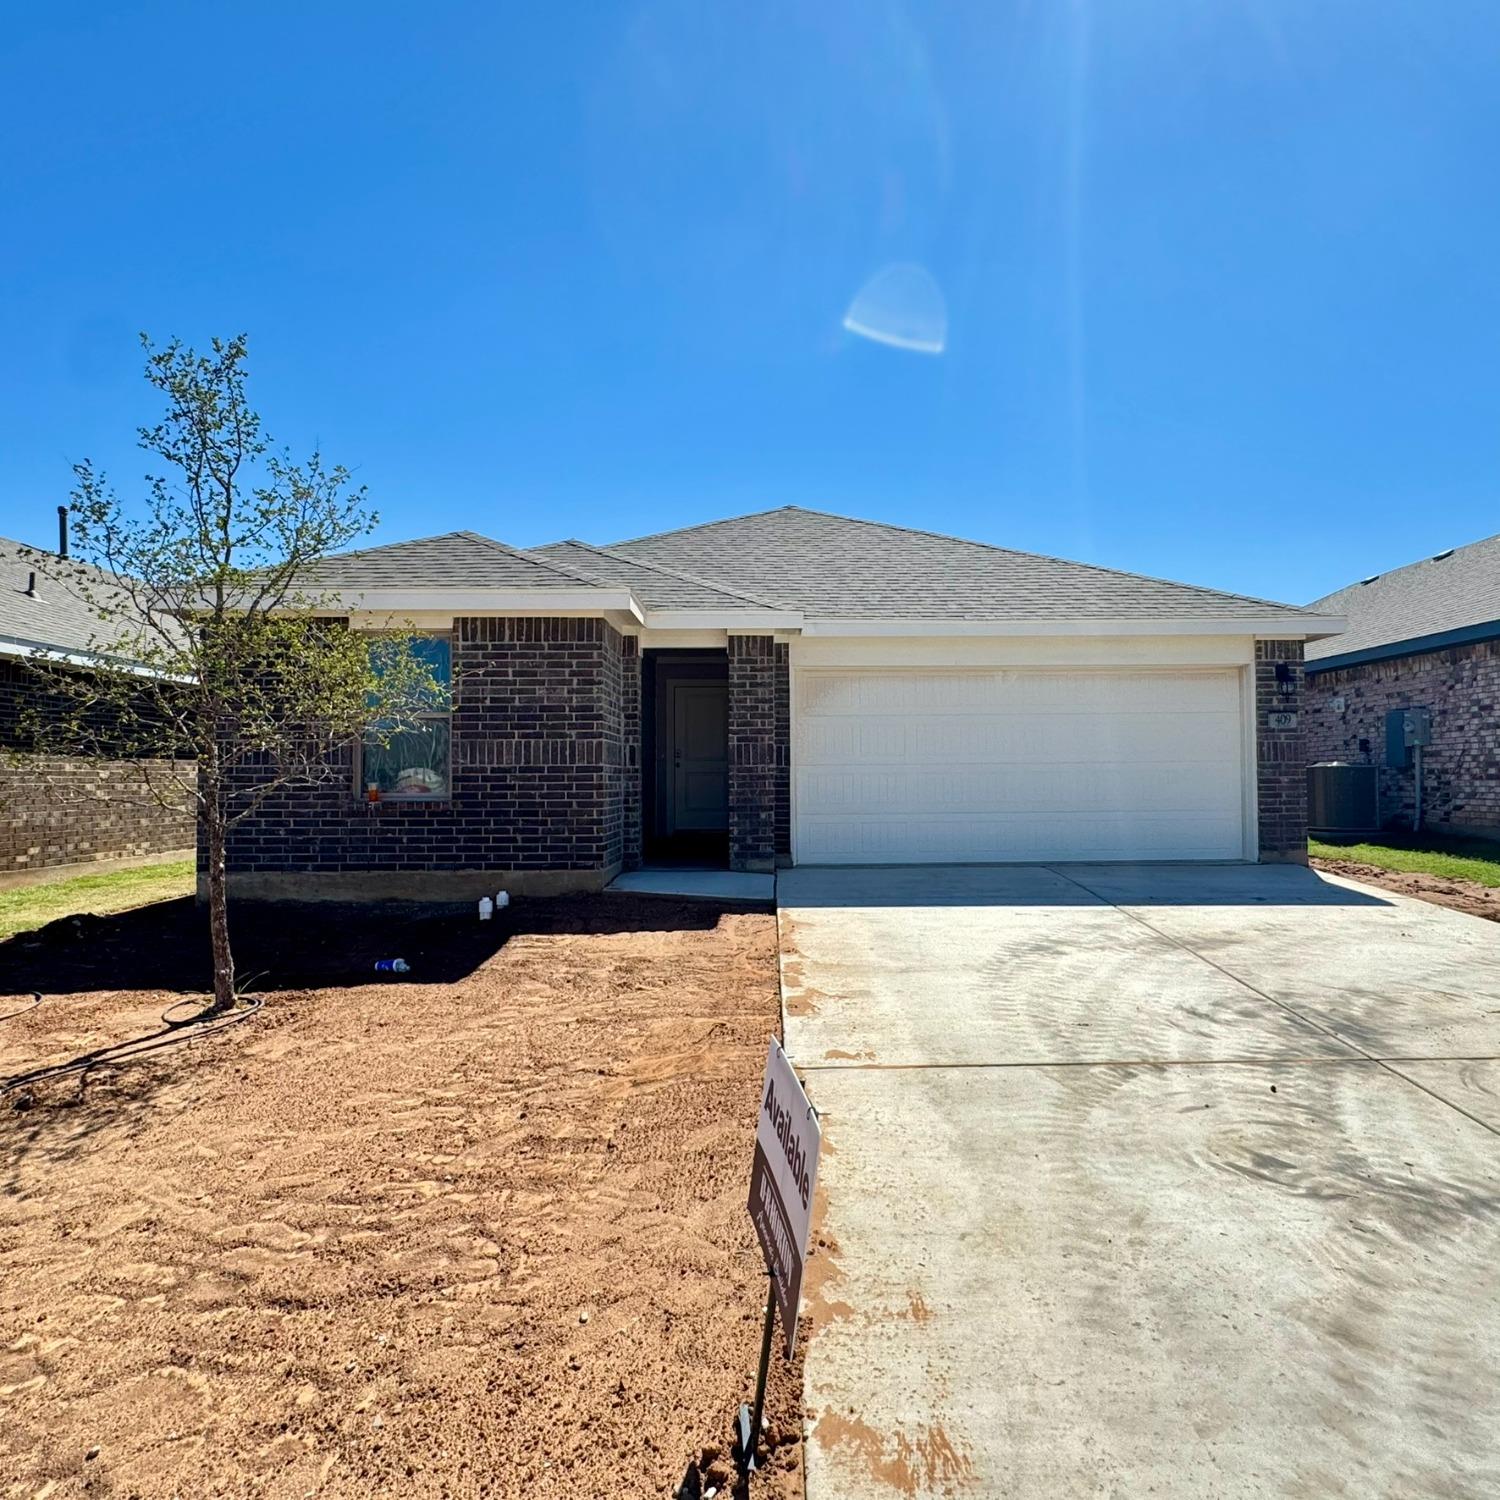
<point>782,1180</point>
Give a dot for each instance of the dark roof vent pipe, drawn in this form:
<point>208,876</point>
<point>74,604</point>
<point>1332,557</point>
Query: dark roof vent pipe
<point>62,530</point>
<point>31,585</point>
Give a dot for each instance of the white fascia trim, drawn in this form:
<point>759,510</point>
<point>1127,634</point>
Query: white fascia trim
<point>761,621</point>
<point>681,640</point>
<point>582,600</point>
<point>1312,628</point>
<point>56,656</point>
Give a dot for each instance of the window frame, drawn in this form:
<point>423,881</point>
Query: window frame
<point>361,792</point>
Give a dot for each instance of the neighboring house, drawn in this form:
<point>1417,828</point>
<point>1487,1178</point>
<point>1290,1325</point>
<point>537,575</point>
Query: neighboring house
<point>1423,636</point>
<point>59,809</point>
<point>798,687</point>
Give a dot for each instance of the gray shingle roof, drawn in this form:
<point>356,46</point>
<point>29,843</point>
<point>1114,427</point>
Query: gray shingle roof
<point>1452,591</point>
<point>56,616</point>
<point>457,559</point>
<point>836,567</point>
<point>655,586</point>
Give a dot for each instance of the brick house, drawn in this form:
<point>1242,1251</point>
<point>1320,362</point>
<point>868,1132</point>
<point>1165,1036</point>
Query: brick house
<point>790,687</point>
<point>1423,636</point>
<point>60,810</point>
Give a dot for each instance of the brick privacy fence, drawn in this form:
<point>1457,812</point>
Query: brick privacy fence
<point>1280,757</point>
<point>545,771</point>
<point>58,810</point>
<point>1460,769</point>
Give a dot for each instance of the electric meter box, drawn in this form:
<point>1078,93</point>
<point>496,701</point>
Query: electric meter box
<point>1405,729</point>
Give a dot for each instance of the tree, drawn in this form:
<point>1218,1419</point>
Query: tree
<point>214,641</point>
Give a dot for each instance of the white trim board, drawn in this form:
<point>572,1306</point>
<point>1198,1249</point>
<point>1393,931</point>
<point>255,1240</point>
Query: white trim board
<point>1023,651</point>
<point>1308,627</point>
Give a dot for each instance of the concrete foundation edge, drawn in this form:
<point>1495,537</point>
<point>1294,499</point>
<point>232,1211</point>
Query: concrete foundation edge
<point>408,885</point>
<point>1283,856</point>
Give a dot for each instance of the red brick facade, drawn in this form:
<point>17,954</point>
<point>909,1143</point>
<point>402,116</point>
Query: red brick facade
<point>753,761</point>
<point>783,689</point>
<point>1280,753</point>
<point>1461,768</point>
<point>545,769</point>
<point>546,765</point>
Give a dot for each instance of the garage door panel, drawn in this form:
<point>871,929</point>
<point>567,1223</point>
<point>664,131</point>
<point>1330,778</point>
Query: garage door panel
<point>829,694</point>
<point>908,766</point>
<point>1020,836</point>
<point>1141,737</point>
<point>1173,787</point>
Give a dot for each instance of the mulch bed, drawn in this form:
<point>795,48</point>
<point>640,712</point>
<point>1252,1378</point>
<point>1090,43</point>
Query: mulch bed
<point>478,1230</point>
<point>1462,895</point>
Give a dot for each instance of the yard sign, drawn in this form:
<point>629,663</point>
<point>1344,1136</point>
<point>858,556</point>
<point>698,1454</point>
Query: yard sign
<point>787,1140</point>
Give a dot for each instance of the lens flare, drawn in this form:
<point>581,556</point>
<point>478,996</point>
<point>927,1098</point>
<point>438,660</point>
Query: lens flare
<point>902,306</point>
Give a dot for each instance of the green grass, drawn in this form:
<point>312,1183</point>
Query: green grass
<point>1458,859</point>
<point>28,906</point>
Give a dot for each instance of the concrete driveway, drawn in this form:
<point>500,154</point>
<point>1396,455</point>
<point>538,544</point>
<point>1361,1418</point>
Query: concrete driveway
<point>1167,1180</point>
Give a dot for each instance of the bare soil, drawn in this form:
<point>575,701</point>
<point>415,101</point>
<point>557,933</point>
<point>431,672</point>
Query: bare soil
<point>1442,890</point>
<point>479,1230</point>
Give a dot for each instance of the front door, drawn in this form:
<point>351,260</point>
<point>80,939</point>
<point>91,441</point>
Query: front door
<point>700,758</point>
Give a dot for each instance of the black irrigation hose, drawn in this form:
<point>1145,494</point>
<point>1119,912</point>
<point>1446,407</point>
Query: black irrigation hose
<point>119,1053</point>
<point>35,1001</point>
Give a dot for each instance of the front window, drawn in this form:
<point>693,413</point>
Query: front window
<point>415,761</point>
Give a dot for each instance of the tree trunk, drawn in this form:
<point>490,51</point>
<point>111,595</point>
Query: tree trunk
<point>218,904</point>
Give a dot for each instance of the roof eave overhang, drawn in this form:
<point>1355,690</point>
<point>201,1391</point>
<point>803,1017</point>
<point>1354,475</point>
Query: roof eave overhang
<point>400,602</point>
<point>1280,627</point>
<point>1416,645</point>
<point>60,656</point>
<point>738,620</point>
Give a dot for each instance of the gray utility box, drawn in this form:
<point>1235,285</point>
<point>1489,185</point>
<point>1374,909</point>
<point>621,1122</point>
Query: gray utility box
<point>1342,798</point>
<point>1405,729</point>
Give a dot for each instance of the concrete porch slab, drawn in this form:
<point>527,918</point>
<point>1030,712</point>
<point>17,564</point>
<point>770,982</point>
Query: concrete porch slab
<point>703,885</point>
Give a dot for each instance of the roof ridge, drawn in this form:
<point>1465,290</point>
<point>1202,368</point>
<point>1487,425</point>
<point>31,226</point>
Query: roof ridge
<point>468,536</point>
<point>656,536</point>
<point>1445,554</point>
<point>666,572</point>
<point>943,536</point>
<point>440,536</point>
<point>1068,562</point>
<point>36,553</point>
<point>540,562</point>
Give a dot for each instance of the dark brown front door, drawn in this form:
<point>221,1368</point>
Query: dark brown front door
<point>700,758</point>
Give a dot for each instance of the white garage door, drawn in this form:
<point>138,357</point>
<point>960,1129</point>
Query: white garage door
<point>908,767</point>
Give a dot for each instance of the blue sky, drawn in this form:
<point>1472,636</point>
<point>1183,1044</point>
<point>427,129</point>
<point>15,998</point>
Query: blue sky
<point>1219,280</point>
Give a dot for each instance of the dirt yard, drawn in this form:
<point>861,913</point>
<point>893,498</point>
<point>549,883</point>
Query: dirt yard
<point>480,1230</point>
<point>1442,890</point>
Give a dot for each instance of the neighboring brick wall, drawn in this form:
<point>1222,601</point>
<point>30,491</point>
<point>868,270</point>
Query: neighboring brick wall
<point>539,768</point>
<point>753,770</point>
<point>1280,757</point>
<point>783,730</point>
<point>58,810</point>
<point>1460,769</point>
<point>64,810</point>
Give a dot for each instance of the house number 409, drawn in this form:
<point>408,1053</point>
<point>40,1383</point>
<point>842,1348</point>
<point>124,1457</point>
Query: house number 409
<point>1283,721</point>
